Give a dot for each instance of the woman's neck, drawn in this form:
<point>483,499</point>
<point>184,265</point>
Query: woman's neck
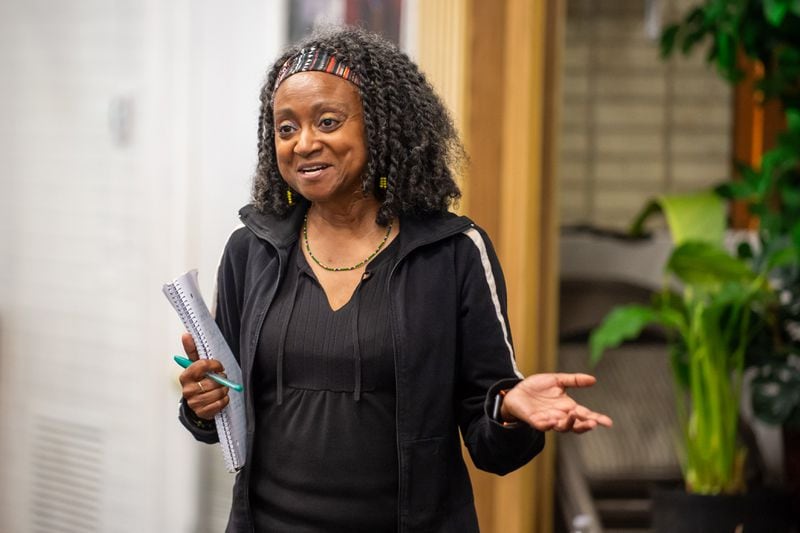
<point>355,217</point>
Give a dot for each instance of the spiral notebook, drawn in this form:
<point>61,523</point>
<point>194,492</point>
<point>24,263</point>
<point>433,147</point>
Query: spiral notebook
<point>184,295</point>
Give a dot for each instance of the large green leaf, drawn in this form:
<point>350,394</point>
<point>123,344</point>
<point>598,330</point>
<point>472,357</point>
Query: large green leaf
<point>726,47</point>
<point>622,324</point>
<point>732,295</point>
<point>697,217</point>
<point>734,189</point>
<point>776,161</point>
<point>637,226</point>
<point>668,37</point>
<point>707,265</point>
<point>775,10</point>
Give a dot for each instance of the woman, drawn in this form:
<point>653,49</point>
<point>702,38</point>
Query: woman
<point>370,323</point>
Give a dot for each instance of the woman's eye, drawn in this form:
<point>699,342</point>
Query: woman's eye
<point>328,123</point>
<point>285,129</point>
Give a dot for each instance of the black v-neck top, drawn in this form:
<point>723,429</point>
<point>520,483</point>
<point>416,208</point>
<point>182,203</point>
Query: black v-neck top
<point>325,453</point>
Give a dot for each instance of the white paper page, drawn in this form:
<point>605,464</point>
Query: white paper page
<point>184,295</point>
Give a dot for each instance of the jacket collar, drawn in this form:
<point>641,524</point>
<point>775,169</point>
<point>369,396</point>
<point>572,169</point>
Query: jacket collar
<point>280,232</point>
<point>414,231</point>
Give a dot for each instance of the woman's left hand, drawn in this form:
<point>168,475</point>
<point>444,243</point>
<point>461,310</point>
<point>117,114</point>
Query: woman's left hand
<point>541,401</point>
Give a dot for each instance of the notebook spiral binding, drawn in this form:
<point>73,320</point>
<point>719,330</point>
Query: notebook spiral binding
<point>203,347</point>
<point>181,304</point>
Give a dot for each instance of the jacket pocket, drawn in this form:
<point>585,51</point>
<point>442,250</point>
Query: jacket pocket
<point>424,479</point>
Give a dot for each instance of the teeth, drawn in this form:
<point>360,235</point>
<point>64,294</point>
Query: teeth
<point>313,169</point>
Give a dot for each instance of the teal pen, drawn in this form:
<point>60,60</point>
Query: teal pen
<point>184,362</point>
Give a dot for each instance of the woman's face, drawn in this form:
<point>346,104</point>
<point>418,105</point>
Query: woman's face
<point>319,136</point>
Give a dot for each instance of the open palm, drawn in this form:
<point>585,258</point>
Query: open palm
<point>541,401</point>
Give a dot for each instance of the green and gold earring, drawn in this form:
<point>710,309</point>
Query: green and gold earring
<point>383,182</point>
<point>289,197</point>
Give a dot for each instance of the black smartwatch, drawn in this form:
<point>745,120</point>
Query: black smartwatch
<point>497,410</point>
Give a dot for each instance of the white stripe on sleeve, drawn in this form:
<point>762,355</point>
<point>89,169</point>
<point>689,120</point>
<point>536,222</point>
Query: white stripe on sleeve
<point>477,239</point>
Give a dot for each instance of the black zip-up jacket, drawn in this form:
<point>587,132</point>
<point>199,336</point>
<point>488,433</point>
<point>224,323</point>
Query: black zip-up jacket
<point>452,354</point>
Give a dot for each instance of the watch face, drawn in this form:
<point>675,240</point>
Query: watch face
<point>498,403</point>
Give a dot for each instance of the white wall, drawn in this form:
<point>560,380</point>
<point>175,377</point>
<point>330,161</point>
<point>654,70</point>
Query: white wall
<point>93,218</point>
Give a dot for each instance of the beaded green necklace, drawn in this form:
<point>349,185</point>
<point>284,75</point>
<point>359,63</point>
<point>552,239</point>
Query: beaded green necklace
<point>342,269</point>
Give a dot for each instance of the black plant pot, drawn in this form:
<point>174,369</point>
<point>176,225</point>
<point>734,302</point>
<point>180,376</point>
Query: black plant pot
<point>791,465</point>
<point>676,511</point>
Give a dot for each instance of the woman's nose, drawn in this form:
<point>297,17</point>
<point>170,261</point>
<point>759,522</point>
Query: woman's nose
<point>307,142</point>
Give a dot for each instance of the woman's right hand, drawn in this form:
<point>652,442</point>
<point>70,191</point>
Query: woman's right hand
<point>204,396</point>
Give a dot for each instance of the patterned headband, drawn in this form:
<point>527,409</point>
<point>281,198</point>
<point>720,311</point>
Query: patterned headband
<point>314,59</point>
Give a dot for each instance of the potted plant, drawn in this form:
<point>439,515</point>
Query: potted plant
<point>732,310</point>
<point>708,307</point>
<point>768,33</point>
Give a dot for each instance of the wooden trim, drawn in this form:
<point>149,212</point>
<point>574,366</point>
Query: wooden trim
<point>485,96</point>
<point>528,231</point>
<point>547,348</point>
<point>483,141</point>
<point>443,57</point>
<point>508,119</point>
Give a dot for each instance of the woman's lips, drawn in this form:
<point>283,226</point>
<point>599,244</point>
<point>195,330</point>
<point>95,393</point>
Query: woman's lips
<point>312,171</point>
